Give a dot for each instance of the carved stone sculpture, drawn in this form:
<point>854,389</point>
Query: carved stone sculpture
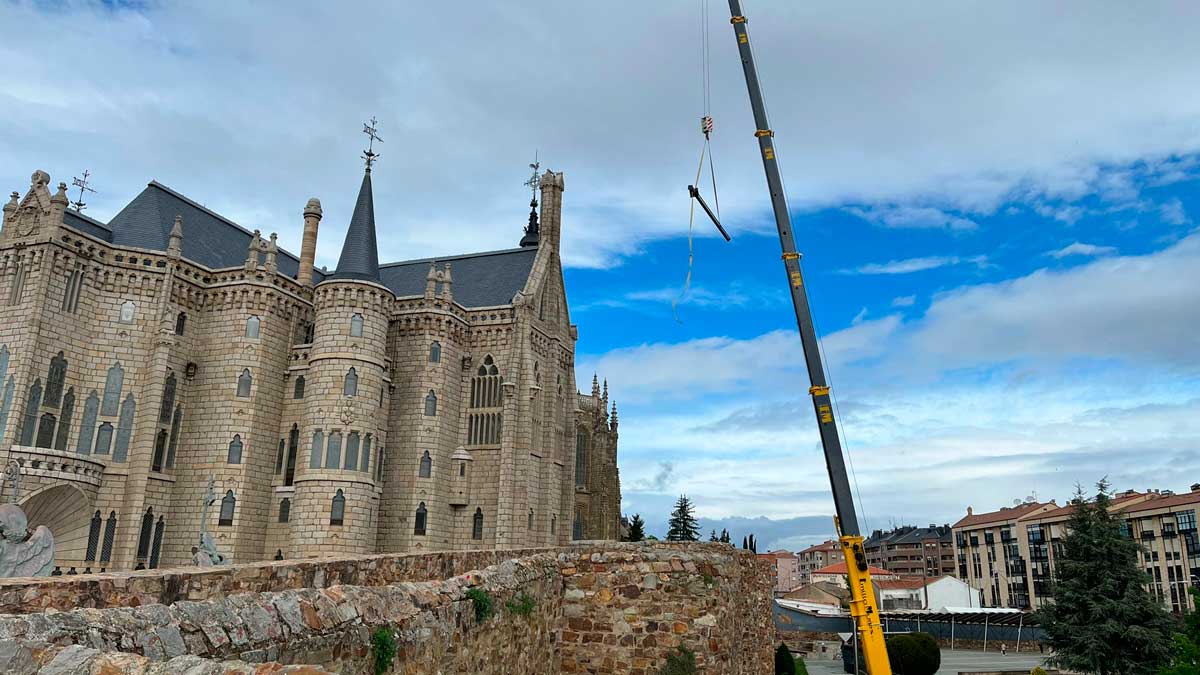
<point>23,553</point>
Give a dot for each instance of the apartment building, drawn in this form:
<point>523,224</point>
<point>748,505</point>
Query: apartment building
<point>916,551</point>
<point>817,556</point>
<point>787,570</point>
<point>1009,554</point>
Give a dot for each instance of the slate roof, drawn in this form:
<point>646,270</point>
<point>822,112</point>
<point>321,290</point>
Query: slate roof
<point>360,255</point>
<point>482,279</point>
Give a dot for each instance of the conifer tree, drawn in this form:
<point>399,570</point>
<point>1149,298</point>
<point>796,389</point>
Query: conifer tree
<point>713,536</point>
<point>724,536</point>
<point>637,528</point>
<point>1102,619</point>
<point>745,543</point>
<point>682,525</point>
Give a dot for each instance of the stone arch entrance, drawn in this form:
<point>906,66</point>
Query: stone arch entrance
<point>66,511</point>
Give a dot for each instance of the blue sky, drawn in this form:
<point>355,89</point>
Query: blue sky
<point>996,204</point>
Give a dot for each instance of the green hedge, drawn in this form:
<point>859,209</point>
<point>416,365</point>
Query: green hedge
<point>914,654</point>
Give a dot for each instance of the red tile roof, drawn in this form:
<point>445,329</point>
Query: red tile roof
<point>840,568</point>
<point>999,516</point>
<point>829,545</point>
<point>1166,501</point>
<point>1121,502</point>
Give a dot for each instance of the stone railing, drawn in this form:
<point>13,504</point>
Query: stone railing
<point>58,465</point>
<point>585,402</point>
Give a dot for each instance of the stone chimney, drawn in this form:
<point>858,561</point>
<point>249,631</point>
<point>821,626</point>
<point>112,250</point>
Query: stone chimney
<point>550,228</point>
<point>308,248</point>
<point>970,511</point>
<point>175,240</point>
<point>58,204</point>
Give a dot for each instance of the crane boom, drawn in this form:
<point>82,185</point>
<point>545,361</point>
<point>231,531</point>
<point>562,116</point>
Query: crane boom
<point>863,607</point>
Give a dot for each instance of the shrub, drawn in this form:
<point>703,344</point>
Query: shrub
<point>914,654</point>
<point>483,603</point>
<point>383,648</point>
<point>682,662</point>
<point>785,664</point>
<point>522,605</point>
<point>1037,670</point>
<point>801,669</point>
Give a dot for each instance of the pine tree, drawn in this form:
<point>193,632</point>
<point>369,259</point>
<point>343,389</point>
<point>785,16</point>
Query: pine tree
<point>683,526</point>
<point>713,536</point>
<point>724,536</point>
<point>1186,647</point>
<point>785,663</point>
<point>753,544</point>
<point>745,544</point>
<point>1102,619</point>
<point>637,528</point>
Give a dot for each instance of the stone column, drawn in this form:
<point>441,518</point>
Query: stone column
<point>308,248</point>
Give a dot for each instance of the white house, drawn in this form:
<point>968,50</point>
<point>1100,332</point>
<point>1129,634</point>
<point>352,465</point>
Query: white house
<point>936,593</point>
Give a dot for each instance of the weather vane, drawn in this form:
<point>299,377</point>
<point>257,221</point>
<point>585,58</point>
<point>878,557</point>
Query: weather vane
<point>82,184</point>
<point>370,155</point>
<point>532,183</point>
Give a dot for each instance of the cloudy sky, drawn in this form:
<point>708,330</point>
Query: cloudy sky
<point>996,203</point>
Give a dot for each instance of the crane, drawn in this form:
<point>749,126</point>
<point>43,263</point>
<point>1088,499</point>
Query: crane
<point>863,610</point>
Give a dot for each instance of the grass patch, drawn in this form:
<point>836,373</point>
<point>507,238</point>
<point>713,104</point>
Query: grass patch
<point>484,604</point>
<point>383,648</point>
<point>522,605</point>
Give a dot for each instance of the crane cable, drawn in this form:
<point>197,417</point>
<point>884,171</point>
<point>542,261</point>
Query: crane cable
<point>706,128</point>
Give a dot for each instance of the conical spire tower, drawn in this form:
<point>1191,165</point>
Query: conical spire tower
<point>360,253</point>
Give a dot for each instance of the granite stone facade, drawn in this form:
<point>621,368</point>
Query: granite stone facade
<point>426,405</point>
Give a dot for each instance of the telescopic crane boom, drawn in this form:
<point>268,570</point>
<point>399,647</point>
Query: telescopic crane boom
<point>863,608</point>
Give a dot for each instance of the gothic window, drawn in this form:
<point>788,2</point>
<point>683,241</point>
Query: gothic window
<point>71,294</point>
<point>128,310</point>
<point>156,548</point>
<point>176,421</point>
<point>64,424</point>
<point>484,419</point>
<point>310,333</point>
<point>426,466</point>
<point>350,386</point>
<point>318,449</point>
<point>180,323</point>
<point>104,438</point>
<point>337,510</point>
<point>279,554</point>
<point>553,522</point>
<point>430,404</point>
<point>243,383</point>
<point>419,521</point>
<point>529,520</point>
<point>298,389</point>
<point>112,390</point>
<point>289,466</point>
<point>253,324</point>
<point>285,510</point>
<point>147,531</point>
<point>356,325</point>
<point>366,454</point>
<point>93,541</point>
<point>228,503</point>
<point>54,381</point>
<point>235,450</point>
<point>6,406</point>
<point>477,524</point>
<point>279,456</point>
<point>18,285</point>
<point>160,451</point>
<point>3,361</point>
<point>435,352</point>
<point>333,453</point>
<point>351,451</point>
<point>168,399</point>
<point>581,459</point>
<point>110,534</point>
<point>462,469</point>
<point>379,463</point>
<point>577,526</point>
<point>31,411</point>
<point>124,429</point>
<point>45,433</point>
<point>88,427</point>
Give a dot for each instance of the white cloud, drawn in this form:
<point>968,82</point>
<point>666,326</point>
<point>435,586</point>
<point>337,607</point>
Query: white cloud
<point>1082,249</point>
<point>910,265</point>
<point>904,301</point>
<point>915,217</point>
<point>1173,213</point>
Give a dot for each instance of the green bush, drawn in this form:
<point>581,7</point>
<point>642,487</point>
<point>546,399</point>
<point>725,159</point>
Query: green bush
<point>383,648</point>
<point>1037,670</point>
<point>785,663</point>
<point>801,669</point>
<point>483,603</point>
<point>681,663</point>
<point>914,654</point>
<point>522,605</point>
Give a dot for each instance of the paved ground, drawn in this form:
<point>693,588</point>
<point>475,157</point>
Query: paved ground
<point>952,662</point>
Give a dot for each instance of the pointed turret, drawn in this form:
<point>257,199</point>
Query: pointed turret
<point>613,417</point>
<point>531,230</point>
<point>595,387</point>
<point>360,255</point>
<point>175,240</point>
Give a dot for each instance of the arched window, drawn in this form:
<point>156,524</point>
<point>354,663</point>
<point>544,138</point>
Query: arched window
<point>577,526</point>
<point>228,503</point>
<point>337,510</point>
<point>356,325</point>
<point>144,535</point>
<point>366,454</point>
<point>430,404</point>
<point>110,535</point>
<point>477,525</point>
<point>64,423</point>
<point>253,324</point>
<point>581,458</point>
<point>289,465</point>
<point>128,310</point>
<point>180,323</point>
<point>279,554</point>
<point>279,456</point>
<point>317,451</point>
<point>529,520</point>
<point>553,523</point>
<point>168,399</point>
<point>333,453</point>
<point>462,469</point>
<point>419,521</point>
<point>426,466</point>
<point>298,390</point>
<point>104,438</point>
<point>435,352</point>
<point>156,547</point>
<point>235,450</point>
<point>160,451</point>
<point>112,390</point>
<point>243,383</point>
<point>45,433</point>
<point>124,429</point>
<point>31,412</point>
<point>176,421</point>
<point>285,510</point>
<point>87,429</point>
<point>55,380</point>
<point>485,418</point>
<point>93,541</point>
<point>71,292</point>
<point>350,387</point>
<point>351,451</point>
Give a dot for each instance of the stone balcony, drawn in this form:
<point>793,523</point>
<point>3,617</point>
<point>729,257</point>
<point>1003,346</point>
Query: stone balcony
<point>58,465</point>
